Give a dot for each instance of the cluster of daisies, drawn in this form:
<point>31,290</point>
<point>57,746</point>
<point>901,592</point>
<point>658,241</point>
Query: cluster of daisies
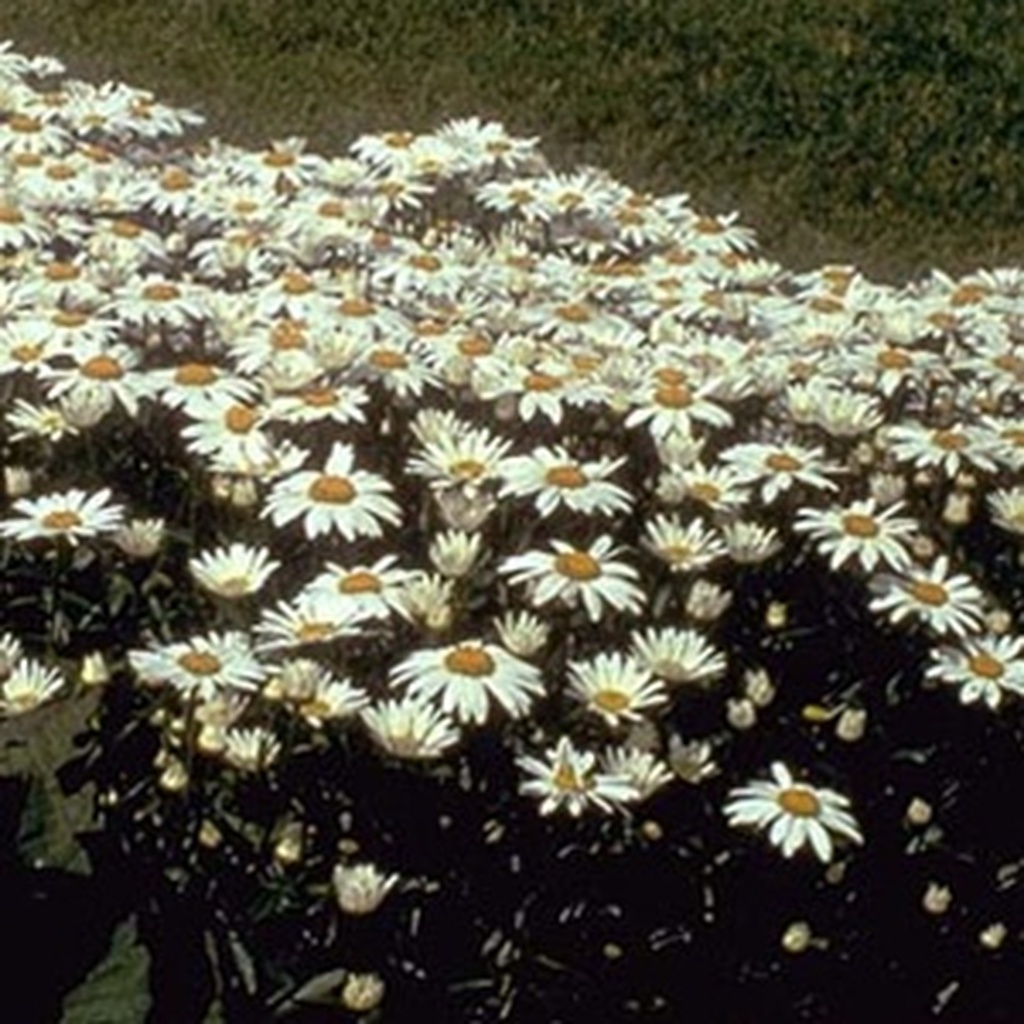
<point>495,439</point>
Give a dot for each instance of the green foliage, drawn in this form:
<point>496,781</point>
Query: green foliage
<point>865,130</point>
<point>36,748</point>
<point>117,988</point>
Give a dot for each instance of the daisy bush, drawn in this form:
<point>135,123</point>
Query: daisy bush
<point>417,524</point>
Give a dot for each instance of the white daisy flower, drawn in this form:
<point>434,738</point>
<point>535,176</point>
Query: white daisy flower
<point>250,750</point>
<point>616,687</point>
<point>749,542</point>
<point>351,501</point>
<point>411,728</point>
<point>687,548</point>
<point>367,591</point>
<point>776,467</point>
<point>647,772</point>
<point>945,603</point>
<point>237,570</point>
<point>859,531</point>
<point>1007,508</point>
<point>202,665</point>
<point>570,779</point>
<point>331,699</point>
<point>796,812</point>
<point>467,677</point>
<point>311,618</point>
<point>522,632</point>
<point>573,574</point>
<point>72,514</point>
<point>984,667</point>
<point>28,685</point>
<point>678,655</point>
<point>555,479</point>
<point>950,449</point>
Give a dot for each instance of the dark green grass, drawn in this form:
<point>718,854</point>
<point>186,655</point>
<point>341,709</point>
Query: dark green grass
<point>884,132</point>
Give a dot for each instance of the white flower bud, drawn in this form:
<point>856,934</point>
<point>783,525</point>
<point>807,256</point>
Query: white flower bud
<point>361,888</point>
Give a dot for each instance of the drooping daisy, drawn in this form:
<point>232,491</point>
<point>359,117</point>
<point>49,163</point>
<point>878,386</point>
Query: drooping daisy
<point>749,542</point>
<point>570,779</point>
<point>73,514</point>
<point>27,686</point>
<point>944,602</point>
<point>411,728</point>
<point>950,449</point>
<point>861,532</point>
<point>471,456</point>
<point>332,699</point>
<point>555,479</point>
<point>688,548</point>
<point>678,655</point>
<point>251,750</point>
<point>796,812</point>
<point>522,632</point>
<point>311,618</point>
<point>237,570</point>
<point>984,667</point>
<point>1007,508</point>
<point>202,665</point>
<point>616,687</point>
<point>644,770</point>
<point>573,574</point>
<point>351,501</point>
<point>467,677</point>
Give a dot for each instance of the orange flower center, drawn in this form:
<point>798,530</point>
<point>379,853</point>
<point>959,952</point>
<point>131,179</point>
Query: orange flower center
<point>475,345</point>
<point>949,440</point>
<point>986,666</point>
<point>968,295</point>
<point>857,525</point>
<point>613,701</point>
<point>62,519</point>
<point>60,271</point>
<point>331,208</point>
<point>541,382</point>
<point>466,660</point>
<point>194,374</point>
<point>673,396</point>
<point>102,368</point>
<point>568,476</point>
<point>933,594</point>
<point>826,304</point>
<point>200,663</point>
<point>24,124</point>
<point>319,398</point>
<point>294,283</point>
<point>577,565</point>
<point>175,180</point>
<point>573,313</point>
<point>10,214</point>
<point>893,359</point>
<point>801,803</point>
<point>332,490</point>
<point>313,632</point>
<point>278,158</point>
<point>125,229</point>
<point>360,582</point>
<point>61,172</point>
<point>288,334</point>
<point>388,359</point>
<point>424,261</point>
<point>161,291</point>
<point>566,779</point>
<point>780,462</point>
<point>467,469</point>
<point>27,353</point>
<point>706,492</point>
<point>70,318</point>
<point>240,419</point>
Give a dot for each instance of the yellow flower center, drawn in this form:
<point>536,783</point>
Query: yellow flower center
<point>612,701</point>
<point>240,419</point>
<point>10,214</point>
<point>61,519</point>
<point>288,334</point>
<point>102,368</point>
<point>398,140</point>
<point>475,345</point>
<point>949,440</point>
<point>175,180</point>
<point>331,208</point>
<point>195,374</point>
<point>332,490</point>
<point>573,313</point>
<point>319,398</point>
<point>577,565</point>
<point>780,462</point>
<point>704,491</point>
<point>801,803</point>
<point>893,359</point>
<point>61,172</point>
<point>294,283</point>
<point>566,779</point>
<point>826,304</point>
<point>673,396</point>
<point>23,123</point>
<point>360,582</point>
<point>27,353</point>
<point>70,318</point>
<point>200,663</point>
<point>857,525</point>
<point>985,665</point>
<point>541,382</point>
<point>278,158</point>
<point>968,295</point>
<point>161,291</point>
<point>933,594</point>
<point>567,476</point>
<point>424,261</point>
<point>314,632</point>
<point>467,469</point>
<point>466,660</point>
<point>388,359</point>
<point>61,271</point>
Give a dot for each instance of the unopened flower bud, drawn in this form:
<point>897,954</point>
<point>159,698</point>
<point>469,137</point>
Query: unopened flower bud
<point>741,713</point>
<point>918,813</point>
<point>758,687</point>
<point>361,888</point>
<point>937,898</point>
<point>851,724</point>
<point>362,992</point>
<point>94,670</point>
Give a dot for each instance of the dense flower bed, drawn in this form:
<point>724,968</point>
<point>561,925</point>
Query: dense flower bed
<point>434,508</point>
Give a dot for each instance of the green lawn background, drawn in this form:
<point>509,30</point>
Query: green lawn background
<point>889,133</point>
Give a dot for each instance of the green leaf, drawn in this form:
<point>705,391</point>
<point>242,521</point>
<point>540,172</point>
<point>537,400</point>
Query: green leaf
<point>36,746</point>
<point>117,988</point>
